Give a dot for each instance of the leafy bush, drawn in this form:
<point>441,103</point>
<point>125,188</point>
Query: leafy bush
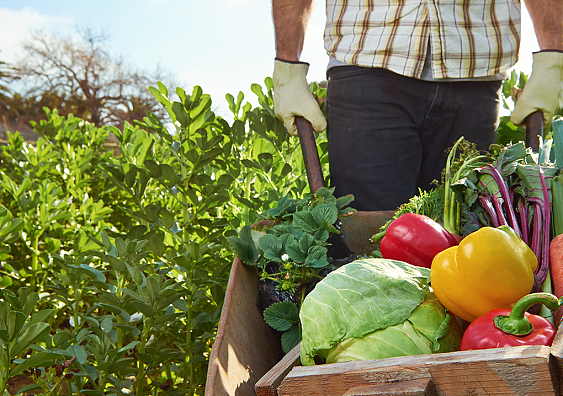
<point>126,247</point>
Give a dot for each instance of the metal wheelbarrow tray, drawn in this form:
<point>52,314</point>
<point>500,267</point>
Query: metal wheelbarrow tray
<point>246,358</point>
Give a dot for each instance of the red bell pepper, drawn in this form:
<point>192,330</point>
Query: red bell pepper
<point>415,239</point>
<point>503,327</point>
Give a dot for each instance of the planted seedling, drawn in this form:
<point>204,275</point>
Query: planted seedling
<point>291,255</point>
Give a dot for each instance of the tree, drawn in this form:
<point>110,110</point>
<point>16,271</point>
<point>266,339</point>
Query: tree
<point>82,78</point>
<point>5,77</point>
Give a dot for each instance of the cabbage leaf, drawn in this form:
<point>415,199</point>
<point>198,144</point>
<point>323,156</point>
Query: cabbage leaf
<point>360,298</point>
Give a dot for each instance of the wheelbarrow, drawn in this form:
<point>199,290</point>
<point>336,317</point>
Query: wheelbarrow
<point>246,358</point>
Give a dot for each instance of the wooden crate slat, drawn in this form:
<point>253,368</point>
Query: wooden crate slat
<point>245,347</point>
<point>423,387</point>
<point>267,385</point>
<point>504,371</point>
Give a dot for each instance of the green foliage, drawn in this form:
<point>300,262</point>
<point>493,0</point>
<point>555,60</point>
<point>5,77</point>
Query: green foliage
<point>296,241</point>
<point>20,327</point>
<point>284,316</point>
<point>292,252</point>
<point>128,246</point>
<point>507,132</point>
<point>557,181</point>
<point>281,316</point>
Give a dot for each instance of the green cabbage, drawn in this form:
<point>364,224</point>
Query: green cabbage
<point>375,309</point>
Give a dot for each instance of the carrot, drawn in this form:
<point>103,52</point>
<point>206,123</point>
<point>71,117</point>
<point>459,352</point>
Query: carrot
<point>556,270</point>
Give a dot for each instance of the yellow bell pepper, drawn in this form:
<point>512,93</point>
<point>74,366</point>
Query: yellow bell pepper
<point>490,268</point>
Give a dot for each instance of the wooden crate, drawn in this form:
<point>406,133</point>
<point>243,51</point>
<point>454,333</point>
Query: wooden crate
<point>513,371</point>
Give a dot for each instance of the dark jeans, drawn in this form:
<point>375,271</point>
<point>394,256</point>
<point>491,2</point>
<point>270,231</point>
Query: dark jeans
<point>388,134</point>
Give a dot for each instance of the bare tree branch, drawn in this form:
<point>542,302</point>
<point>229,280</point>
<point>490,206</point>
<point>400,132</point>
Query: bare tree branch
<point>101,89</point>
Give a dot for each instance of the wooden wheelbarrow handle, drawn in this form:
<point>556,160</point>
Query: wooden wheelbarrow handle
<point>310,153</point>
<point>534,129</point>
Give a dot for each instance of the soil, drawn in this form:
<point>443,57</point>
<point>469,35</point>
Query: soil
<point>19,381</point>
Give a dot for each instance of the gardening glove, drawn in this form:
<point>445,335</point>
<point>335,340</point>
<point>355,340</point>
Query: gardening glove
<point>292,96</point>
<point>544,88</point>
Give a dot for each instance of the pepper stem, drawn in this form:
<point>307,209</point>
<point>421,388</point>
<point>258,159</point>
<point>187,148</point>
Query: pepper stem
<point>517,324</point>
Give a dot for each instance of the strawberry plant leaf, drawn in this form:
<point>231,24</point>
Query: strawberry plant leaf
<point>290,339</point>
<point>281,316</point>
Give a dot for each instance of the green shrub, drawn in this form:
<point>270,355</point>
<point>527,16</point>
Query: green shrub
<point>126,247</point>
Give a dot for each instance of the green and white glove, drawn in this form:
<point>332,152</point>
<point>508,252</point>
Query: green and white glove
<point>544,88</point>
<point>292,96</point>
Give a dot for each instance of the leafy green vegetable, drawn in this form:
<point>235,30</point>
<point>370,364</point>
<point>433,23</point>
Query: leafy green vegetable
<point>374,308</point>
<point>426,331</point>
<point>513,184</point>
<point>456,168</point>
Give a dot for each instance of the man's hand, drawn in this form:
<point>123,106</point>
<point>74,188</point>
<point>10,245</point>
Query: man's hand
<point>544,89</point>
<point>292,96</point>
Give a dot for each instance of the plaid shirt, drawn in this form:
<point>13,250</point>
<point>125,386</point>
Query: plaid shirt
<point>468,38</point>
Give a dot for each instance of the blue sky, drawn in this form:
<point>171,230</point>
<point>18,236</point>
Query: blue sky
<point>223,46</point>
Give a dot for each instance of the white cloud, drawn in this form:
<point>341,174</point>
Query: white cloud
<point>18,24</point>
